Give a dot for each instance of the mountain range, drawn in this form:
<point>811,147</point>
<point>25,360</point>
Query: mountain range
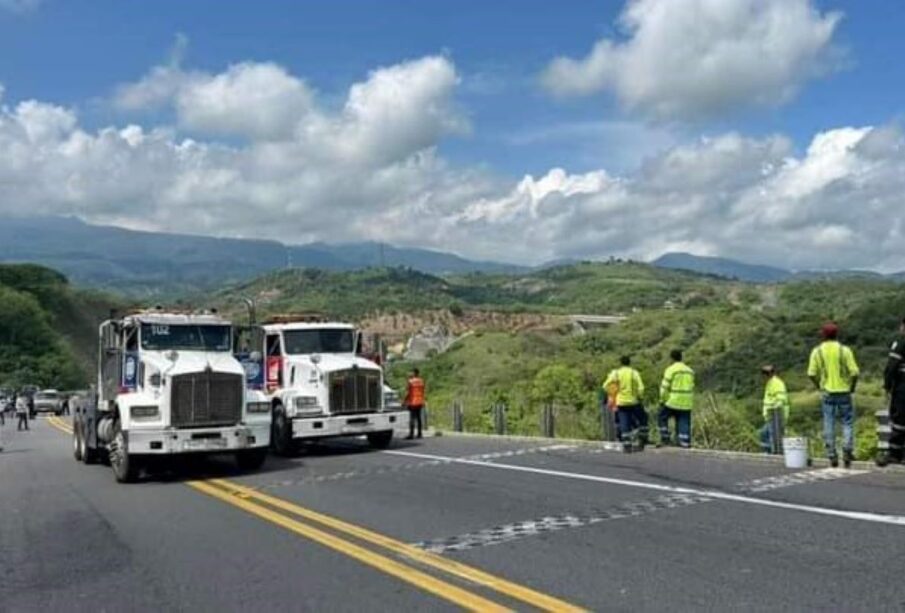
<point>758,273</point>
<point>137,262</point>
<point>143,263</point>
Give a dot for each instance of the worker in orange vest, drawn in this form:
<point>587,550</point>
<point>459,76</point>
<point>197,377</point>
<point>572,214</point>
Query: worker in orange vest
<point>414,400</point>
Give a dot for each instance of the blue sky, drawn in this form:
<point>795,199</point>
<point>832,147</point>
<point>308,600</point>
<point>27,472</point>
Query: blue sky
<point>72,52</point>
<point>77,55</point>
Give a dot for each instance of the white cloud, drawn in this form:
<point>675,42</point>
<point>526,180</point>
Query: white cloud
<point>693,58</point>
<point>261,101</point>
<point>370,170</point>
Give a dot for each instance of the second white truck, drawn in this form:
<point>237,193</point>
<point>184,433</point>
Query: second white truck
<point>320,386</point>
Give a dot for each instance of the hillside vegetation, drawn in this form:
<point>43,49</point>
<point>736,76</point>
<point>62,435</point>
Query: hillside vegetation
<point>47,328</point>
<point>582,288</point>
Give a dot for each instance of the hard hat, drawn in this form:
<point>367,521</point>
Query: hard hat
<point>829,330</point>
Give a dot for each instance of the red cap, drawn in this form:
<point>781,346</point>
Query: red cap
<point>829,330</point>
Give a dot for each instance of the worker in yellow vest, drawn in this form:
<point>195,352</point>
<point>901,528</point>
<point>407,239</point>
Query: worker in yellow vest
<point>676,400</point>
<point>633,422</point>
<point>833,370</point>
<point>776,398</point>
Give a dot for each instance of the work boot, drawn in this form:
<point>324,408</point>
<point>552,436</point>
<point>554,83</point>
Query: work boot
<point>834,461</point>
<point>847,458</point>
<point>626,447</point>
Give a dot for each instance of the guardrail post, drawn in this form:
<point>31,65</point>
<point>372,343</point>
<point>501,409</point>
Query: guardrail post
<point>548,421</point>
<point>457,416</point>
<point>607,422</point>
<point>499,418</point>
<point>424,417</point>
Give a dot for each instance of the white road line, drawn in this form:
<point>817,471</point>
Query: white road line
<point>895,520</point>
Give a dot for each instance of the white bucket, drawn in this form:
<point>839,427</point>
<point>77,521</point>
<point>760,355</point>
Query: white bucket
<point>795,450</point>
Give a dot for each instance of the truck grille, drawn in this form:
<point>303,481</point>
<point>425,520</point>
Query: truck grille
<point>206,399</point>
<point>354,391</point>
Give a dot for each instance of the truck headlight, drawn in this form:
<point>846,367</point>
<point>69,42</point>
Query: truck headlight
<point>306,404</point>
<point>258,407</point>
<point>391,401</point>
<point>150,411</point>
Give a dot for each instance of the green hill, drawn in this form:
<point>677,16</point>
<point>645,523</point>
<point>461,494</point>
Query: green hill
<point>47,328</point>
<point>580,288</point>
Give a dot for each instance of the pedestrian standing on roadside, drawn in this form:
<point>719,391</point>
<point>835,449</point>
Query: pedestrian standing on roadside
<point>894,384</point>
<point>833,370</point>
<point>676,401</point>
<point>414,401</point>
<point>21,412</point>
<point>633,423</point>
<point>776,399</point>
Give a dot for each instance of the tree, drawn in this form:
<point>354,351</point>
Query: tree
<point>559,384</point>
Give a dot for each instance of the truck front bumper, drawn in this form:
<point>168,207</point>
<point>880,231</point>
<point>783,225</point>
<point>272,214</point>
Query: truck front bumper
<point>199,440</point>
<point>348,425</point>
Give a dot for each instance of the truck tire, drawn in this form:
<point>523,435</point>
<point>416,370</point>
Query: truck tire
<point>380,440</point>
<point>251,459</point>
<point>78,444</point>
<point>125,465</point>
<point>281,434</point>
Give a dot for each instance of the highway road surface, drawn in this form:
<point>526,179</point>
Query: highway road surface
<point>447,523</point>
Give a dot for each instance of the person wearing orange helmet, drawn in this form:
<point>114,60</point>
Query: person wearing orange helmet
<point>833,370</point>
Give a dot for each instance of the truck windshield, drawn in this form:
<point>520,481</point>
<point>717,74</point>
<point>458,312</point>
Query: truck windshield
<point>158,337</point>
<point>326,340</point>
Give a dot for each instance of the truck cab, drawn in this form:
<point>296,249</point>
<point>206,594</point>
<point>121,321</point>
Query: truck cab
<point>319,386</point>
<point>168,384</point>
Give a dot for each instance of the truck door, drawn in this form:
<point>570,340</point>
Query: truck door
<point>130,370</point>
<point>111,361</point>
<point>247,343</point>
<point>274,362</point>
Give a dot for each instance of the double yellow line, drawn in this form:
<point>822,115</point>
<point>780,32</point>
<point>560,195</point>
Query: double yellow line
<point>60,424</point>
<point>408,563</point>
<point>404,566</point>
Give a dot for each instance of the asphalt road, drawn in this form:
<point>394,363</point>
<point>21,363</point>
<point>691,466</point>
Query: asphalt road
<point>445,524</point>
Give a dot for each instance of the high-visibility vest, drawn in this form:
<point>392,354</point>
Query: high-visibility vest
<point>677,387</point>
<point>834,365</point>
<point>631,387</point>
<point>414,397</point>
<point>776,398</point>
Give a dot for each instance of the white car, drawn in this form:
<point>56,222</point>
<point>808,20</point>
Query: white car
<point>50,401</point>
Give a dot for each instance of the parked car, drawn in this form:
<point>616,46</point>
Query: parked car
<point>48,400</point>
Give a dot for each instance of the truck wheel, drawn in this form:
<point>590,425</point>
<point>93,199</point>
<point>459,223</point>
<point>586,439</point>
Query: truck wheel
<point>251,459</point>
<point>125,465</point>
<point>281,436</point>
<point>380,440</point>
<point>78,445</point>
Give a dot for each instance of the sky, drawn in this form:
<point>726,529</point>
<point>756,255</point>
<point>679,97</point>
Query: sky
<point>516,130</point>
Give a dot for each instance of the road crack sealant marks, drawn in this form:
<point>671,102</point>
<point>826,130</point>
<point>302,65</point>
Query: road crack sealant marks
<point>767,484</point>
<point>551,523</point>
<point>402,468</point>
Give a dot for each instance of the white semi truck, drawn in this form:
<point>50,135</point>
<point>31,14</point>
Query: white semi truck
<point>169,384</point>
<point>320,386</point>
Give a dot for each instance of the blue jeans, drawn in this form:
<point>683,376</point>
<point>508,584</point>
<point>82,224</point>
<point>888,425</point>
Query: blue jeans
<point>833,406</point>
<point>683,425</point>
<point>768,434</point>
<point>632,422</point>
